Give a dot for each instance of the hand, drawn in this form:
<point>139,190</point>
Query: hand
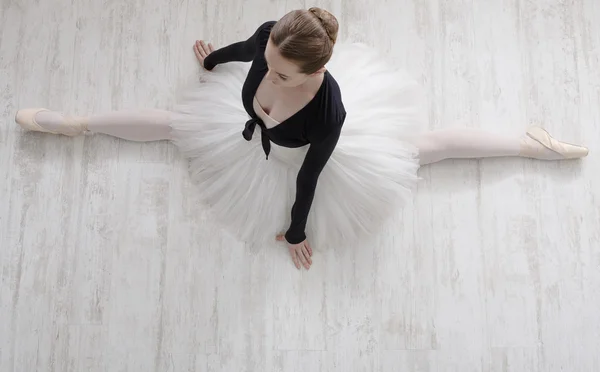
<point>202,50</point>
<point>301,252</point>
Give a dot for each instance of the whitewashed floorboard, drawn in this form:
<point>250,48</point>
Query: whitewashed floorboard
<point>108,262</point>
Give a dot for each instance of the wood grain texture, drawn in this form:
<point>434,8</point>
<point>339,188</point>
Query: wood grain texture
<point>107,262</point>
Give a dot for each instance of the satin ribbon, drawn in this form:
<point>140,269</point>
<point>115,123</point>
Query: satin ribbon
<point>249,131</point>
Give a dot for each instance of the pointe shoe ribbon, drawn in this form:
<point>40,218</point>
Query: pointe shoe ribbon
<point>69,127</point>
<point>562,149</point>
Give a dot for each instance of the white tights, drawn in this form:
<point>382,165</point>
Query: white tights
<point>465,143</point>
<point>434,146</point>
<point>133,125</point>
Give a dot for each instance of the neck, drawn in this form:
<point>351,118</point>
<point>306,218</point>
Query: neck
<point>312,82</point>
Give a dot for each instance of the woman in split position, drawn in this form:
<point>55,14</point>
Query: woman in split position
<point>337,134</point>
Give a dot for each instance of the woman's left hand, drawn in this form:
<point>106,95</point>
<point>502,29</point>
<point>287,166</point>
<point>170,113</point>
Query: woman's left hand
<point>301,252</point>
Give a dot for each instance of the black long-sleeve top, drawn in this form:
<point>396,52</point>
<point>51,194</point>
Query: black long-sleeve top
<point>317,124</point>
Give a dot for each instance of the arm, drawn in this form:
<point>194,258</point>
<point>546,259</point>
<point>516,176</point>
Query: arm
<point>317,156</point>
<point>243,51</point>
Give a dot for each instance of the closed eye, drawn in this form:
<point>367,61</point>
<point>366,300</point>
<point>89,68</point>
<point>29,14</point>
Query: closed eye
<point>282,77</point>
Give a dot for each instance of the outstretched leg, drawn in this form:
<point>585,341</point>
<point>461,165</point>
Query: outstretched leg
<point>133,125</point>
<point>466,143</point>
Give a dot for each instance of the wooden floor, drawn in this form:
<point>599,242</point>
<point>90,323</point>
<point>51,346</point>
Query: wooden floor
<point>108,264</point>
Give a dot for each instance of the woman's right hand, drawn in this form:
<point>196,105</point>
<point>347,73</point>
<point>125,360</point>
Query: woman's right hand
<point>202,50</point>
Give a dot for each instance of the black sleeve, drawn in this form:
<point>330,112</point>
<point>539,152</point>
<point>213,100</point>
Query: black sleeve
<point>243,51</point>
<point>317,156</point>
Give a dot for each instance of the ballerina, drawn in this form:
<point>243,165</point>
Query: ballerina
<point>346,148</point>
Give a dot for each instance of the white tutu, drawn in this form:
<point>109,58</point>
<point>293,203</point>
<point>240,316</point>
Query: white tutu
<point>368,177</point>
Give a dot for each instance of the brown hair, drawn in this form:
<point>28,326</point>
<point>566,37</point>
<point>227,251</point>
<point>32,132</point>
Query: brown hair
<point>306,37</point>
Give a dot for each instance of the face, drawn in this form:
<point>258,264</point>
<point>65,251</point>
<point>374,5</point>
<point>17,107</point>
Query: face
<point>283,72</point>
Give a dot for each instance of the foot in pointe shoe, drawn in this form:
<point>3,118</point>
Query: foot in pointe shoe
<point>539,144</point>
<point>46,121</point>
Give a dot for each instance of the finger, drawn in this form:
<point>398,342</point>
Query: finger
<point>204,48</point>
<point>306,254</point>
<point>199,46</point>
<point>295,258</point>
<point>280,238</point>
<point>211,48</point>
<point>302,258</point>
<point>309,248</point>
<point>197,53</point>
<point>196,48</point>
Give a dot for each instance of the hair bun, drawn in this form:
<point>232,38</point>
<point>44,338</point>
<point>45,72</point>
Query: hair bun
<point>328,20</point>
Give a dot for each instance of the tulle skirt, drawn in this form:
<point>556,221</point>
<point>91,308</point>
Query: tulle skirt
<point>368,178</point>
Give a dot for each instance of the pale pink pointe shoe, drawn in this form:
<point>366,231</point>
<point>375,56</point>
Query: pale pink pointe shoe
<point>69,126</point>
<point>539,144</point>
